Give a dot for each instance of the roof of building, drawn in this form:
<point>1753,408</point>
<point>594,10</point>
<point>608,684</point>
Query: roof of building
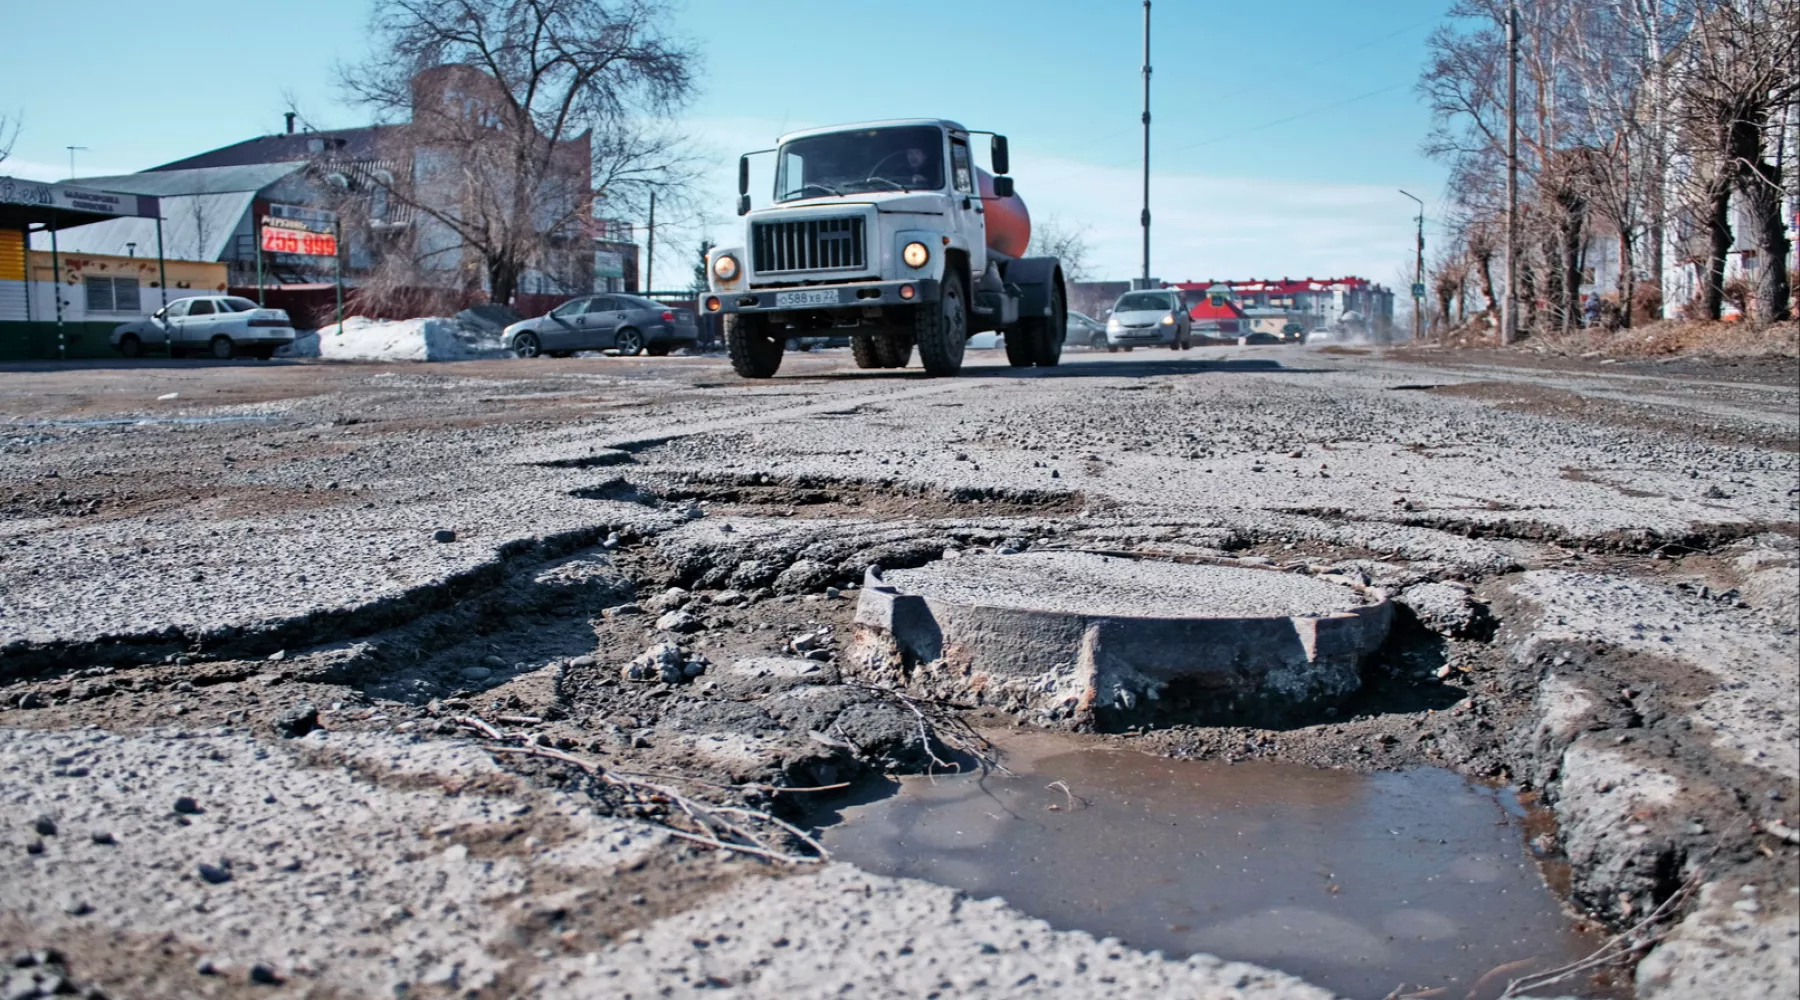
<point>195,227</point>
<point>1226,309</point>
<point>1285,286</point>
<point>210,180</point>
<point>352,143</point>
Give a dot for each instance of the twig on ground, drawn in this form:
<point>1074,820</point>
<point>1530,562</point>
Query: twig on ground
<point>1634,938</point>
<point>727,828</point>
<point>471,722</point>
<point>1063,786</point>
<point>950,730</point>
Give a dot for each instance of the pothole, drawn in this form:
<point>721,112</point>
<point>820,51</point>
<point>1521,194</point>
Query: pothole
<point>1085,640</point>
<point>1355,882</point>
<point>762,494</point>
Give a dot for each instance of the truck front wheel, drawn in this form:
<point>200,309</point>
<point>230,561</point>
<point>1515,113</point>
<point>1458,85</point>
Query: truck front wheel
<point>895,349</point>
<point>866,349</point>
<point>754,349</point>
<point>941,329</point>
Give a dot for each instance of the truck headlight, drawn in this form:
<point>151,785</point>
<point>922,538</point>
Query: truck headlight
<point>916,255</point>
<point>725,266</point>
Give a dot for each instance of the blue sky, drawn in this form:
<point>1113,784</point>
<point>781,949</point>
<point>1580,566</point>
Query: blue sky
<point>1282,128</point>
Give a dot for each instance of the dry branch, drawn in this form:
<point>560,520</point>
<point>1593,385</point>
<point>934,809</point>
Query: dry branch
<point>725,827</point>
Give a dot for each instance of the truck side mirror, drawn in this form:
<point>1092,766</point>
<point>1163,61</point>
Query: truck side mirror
<point>743,175</point>
<point>743,204</point>
<point>1003,187</point>
<point>1002,163</point>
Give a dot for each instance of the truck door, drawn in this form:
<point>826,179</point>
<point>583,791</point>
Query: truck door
<point>966,209</point>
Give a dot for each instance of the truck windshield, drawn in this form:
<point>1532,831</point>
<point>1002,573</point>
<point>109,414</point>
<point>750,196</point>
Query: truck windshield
<point>906,158</point>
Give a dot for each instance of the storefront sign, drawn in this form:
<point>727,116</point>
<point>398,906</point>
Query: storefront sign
<point>74,199</point>
<point>282,236</point>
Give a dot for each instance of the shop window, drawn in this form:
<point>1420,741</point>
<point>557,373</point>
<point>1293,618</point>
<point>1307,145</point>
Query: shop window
<point>112,295</point>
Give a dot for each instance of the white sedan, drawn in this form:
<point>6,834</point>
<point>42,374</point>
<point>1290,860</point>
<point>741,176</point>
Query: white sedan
<point>222,326</point>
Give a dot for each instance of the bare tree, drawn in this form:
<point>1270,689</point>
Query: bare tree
<point>9,134</point>
<point>1464,84</point>
<point>517,115</point>
<point>1051,238</point>
<point>700,283</point>
<point>1736,76</point>
<point>1448,276</point>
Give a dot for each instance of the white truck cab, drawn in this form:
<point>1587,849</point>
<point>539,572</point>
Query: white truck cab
<point>888,232</point>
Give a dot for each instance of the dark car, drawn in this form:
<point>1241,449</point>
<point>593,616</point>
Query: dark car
<point>628,324</point>
<point>1085,331</point>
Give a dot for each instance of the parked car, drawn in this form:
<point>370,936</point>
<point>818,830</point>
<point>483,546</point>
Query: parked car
<point>629,324</point>
<point>222,326</point>
<point>1150,318</point>
<point>1085,331</point>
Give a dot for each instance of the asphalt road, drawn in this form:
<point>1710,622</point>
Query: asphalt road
<point>166,528</point>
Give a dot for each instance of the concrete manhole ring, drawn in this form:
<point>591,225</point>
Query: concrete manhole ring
<point>1091,640</point>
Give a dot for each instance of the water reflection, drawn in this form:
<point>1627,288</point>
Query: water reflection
<point>1356,882</point>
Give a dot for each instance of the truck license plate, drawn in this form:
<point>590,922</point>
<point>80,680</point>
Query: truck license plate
<point>788,300</point>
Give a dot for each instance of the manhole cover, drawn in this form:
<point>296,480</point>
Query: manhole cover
<point>1094,640</point>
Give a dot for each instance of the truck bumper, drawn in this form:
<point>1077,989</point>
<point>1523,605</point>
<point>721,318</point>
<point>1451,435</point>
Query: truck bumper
<point>855,295</point>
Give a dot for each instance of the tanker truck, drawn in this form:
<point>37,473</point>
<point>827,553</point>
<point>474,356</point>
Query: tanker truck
<point>889,233</point>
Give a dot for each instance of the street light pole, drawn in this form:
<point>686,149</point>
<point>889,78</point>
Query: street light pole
<point>72,150</point>
<point>1419,275</point>
<point>1509,319</point>
<point>650,249</point>
<point>1145,217</point>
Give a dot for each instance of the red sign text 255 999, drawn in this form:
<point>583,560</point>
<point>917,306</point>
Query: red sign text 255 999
<point>297,241</point>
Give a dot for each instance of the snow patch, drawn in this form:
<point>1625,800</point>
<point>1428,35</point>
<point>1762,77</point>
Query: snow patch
<point>428,338</point>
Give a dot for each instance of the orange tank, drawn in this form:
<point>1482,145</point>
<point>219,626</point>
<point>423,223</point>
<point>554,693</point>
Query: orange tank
<point>1008,220</point>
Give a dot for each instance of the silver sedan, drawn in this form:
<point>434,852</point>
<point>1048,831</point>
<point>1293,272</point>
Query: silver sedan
<point>627,324</point>
<point>1151,318</point>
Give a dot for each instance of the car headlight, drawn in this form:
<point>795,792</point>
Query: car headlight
<point>916,254</point>
<point>725,266</point>
<point>1168,321</point>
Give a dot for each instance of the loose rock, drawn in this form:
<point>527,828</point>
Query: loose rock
<point>297,721</point>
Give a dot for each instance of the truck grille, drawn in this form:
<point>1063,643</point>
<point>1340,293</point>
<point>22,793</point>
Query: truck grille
<point>809,245</point>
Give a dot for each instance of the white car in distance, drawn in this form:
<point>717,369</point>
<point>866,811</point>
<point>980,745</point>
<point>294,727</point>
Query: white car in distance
<point>220,326</point>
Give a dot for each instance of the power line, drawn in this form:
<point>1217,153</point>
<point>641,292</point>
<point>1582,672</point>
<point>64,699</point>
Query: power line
<point>1291,118</point>
<point>1241,132</point>
<point>1341,55</point>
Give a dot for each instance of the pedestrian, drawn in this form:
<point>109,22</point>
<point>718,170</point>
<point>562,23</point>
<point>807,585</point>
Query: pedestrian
<point>1593,309</point>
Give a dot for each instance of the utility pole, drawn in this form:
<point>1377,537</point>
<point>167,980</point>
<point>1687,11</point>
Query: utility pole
<point>1509,319</point>
<point>1145,217</point>
<point>650,249</point>
<point>1418,288</point>
<point>72,150</point>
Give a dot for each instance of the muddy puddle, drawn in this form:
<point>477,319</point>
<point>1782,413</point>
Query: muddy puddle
<point>1360,883</point>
